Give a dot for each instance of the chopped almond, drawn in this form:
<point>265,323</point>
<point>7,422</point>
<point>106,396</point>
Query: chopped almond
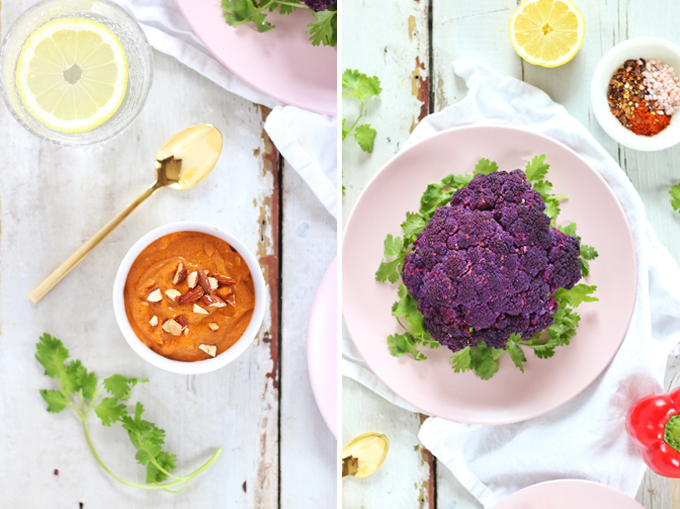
<point>172,294</point>
<point>198,309</point>
<point>213,283</point>
<point>211,350</point>
<point>192,279</point>
<point>213,326</point>
<point>172,327</point>
<point>155,296</point>
<point>154,321</point>
<point>180,274</point>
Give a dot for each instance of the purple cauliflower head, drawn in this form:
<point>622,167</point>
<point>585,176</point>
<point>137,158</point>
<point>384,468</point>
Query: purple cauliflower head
<point>485,266</point>
<point>319,5</point>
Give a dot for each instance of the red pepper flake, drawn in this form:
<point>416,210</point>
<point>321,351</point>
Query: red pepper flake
<point>648,122</point>
<point>56,471</point>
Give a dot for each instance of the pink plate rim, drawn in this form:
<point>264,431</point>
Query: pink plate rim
<point>322,346</point>
<point>292,94</point>
<point>436,409</point>
<point>575,487</point>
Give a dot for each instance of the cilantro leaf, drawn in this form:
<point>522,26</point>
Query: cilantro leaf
<point>237,12</point>
<point>484,360</point>
<point>166,461</point>
<point>485,167</point>
<point>361,87</point>
<point>325,30</point>
<point>570,229</point>
<point>365,136</point>
<point>56,401</point>
<point>461,360</point>
<point>401,344</point>
<point>536,169</point>
<point>577,295</point>
<point>144,435</point>
<point>120,387</point>
<point>674,191</point>
<point>110,410</point>
<point>516,353</point>
<point>51,354</point>
<point>414,224</point>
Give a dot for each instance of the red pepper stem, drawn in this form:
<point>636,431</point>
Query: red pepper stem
<point>672,432</point>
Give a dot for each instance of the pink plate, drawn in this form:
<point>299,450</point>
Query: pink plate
<point>509,396</point>
<point>282,62</point>
<point>568,494</point>
<point>322,347</point>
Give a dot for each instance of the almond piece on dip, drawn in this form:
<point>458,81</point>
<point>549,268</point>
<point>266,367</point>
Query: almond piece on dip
<point>154,321</point>
<point>213,283</point>
<point>192,279</point>
<point>213,301</point>
<point>155,296</point>
<point>211,350</point>
<point>213,326</point>
<point>180,274</point>
<point>198,309</point>
<point>172,327</point>
<point>172,294</point>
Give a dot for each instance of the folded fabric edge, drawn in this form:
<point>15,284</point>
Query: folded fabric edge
<point>429,437</point>
<point>310,172</point>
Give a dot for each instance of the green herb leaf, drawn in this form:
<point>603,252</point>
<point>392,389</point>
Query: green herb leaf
<point>461,360</point>
<point>516,353</point>
<point>359,85</point>
<point>577,295</point>
<point>110,410</point>
<point>484,360</point>
<point>120,387</point>
<point>401,344</point>
<point>414,224</point>
<point>51,354</point>
<point>166,461</point>
<point>674,191</point>
<point>56,401</point>
<point>365,137</point>
<point>536,169</point>
<point>325,29</point>
<point>485,166</point>
<point>237,12</point>
<point>570,229</point>
<point>144,435</point>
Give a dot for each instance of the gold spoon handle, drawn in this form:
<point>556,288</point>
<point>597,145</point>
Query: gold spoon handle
<point>63,269</point>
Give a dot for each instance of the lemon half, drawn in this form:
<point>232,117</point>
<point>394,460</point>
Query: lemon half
<point>72,74</point>
<point>547,32</point>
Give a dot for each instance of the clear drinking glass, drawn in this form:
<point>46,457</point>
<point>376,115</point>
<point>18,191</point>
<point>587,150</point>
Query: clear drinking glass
<point>137,51</point>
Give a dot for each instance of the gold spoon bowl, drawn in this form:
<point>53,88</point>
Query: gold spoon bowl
<point>364,455</point>
<point>181,163</point>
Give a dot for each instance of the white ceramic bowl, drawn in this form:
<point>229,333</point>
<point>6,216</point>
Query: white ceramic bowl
<point>640,47</point>
<point>189,368</point>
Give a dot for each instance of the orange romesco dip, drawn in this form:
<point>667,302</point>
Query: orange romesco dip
<point>189,296</point>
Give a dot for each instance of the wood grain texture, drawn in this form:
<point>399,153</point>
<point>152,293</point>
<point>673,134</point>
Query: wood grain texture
<point>478,30</point>
<point>308,449</point>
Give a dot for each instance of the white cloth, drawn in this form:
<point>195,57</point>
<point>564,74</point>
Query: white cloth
<point>307,140</point>
<point>585,438</point>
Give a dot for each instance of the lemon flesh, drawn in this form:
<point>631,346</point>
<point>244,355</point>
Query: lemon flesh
<point>72,74</point>
<point>547,32</point>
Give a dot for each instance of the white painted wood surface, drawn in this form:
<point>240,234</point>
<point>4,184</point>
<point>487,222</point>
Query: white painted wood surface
<point>52,199</point>
<point>479,30</point>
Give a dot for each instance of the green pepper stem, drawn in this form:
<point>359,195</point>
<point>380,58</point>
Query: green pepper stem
<point>672,432</point>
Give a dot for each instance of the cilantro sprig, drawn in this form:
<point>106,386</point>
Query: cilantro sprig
<point>79,389</point>
<point>360,86</point>
<point>674,191</point>
<point>323,31</point>
<point>482,359</point>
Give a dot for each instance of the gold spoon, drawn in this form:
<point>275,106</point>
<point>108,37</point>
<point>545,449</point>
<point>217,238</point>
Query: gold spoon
<point>182,162</point>
<point>363,455</point>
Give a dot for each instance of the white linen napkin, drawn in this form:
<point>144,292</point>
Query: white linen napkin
<point>584,438</point>
<point>307,140</point>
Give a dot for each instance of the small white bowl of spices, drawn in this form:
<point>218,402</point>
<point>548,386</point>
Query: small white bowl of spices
<point>635,93</point>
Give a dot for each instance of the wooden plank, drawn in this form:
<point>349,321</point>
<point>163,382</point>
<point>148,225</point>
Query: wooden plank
<point>55,198</point>
<point>403,482</point>
<point>308,449</point>
<point>396,49</point>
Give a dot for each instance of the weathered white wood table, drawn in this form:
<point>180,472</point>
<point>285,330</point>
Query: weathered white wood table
<point>411,46</point>
<point>277,451</point>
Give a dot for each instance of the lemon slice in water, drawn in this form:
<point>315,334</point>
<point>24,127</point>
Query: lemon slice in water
<point>72,74</point>
<point>547,32</point>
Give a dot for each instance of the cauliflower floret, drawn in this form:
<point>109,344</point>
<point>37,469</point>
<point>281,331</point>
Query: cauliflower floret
<point>319,5</point>
<point>485,266</point>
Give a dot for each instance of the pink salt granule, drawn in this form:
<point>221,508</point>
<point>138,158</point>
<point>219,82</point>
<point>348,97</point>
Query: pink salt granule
<point>663,86</point>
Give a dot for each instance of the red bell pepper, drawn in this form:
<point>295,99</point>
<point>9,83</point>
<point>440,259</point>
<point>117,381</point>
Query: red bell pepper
<point>653,423</point>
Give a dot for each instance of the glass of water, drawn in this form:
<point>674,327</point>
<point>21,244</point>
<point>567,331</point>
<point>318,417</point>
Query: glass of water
<point>124,28</point>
